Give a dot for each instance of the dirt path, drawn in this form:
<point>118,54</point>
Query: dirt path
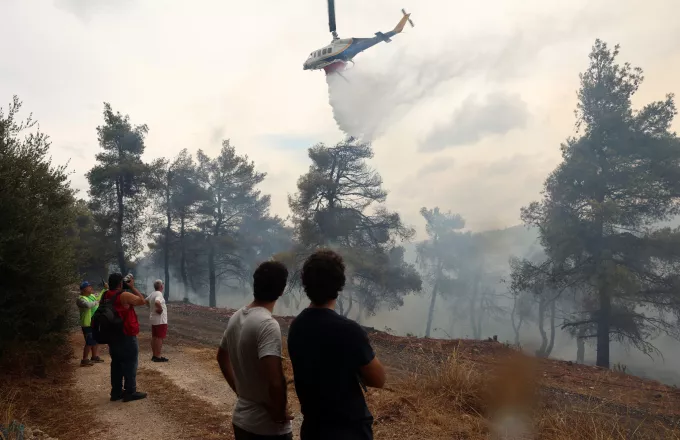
<point>188,398</point>
<point>194,370</point>
<point>117,417</point>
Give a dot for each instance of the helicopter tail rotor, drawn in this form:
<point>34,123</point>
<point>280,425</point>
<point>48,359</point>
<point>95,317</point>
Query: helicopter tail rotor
<point>403,11</point>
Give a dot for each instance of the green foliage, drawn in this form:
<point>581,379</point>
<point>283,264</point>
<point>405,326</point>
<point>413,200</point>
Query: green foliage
<point>233,201</point>
<point>36,254</point>
<point>340,204</point>
<point>618,179</point>
<point>119,183</point>
<point>93,251</point>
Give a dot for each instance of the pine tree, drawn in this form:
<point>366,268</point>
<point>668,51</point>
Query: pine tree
<point>598,219</point>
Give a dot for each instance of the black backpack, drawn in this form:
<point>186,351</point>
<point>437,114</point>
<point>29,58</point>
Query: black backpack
<point>107,325</point>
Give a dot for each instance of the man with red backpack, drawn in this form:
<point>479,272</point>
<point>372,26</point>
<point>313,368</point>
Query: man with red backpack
<point>123,347</point>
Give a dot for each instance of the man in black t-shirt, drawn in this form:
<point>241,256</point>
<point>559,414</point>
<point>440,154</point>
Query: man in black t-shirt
<point>331,358</point>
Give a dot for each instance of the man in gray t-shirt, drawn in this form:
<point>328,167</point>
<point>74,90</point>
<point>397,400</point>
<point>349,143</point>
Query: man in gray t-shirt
<point>250,359</point>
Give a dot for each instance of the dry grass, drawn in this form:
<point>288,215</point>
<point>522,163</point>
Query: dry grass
<point>459,400</point>
<point>45,399</point>
<point>198,419</point>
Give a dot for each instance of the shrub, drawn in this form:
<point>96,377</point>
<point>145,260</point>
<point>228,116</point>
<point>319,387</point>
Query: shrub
<point>36,251</point>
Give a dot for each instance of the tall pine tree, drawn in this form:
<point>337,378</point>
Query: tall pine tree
<point>118,184</point>
<point>598,219</point>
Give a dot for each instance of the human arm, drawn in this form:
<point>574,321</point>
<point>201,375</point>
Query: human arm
<point>225,365</point>
<point>134,298</point>
<point>84,303</point>
<point>371,370</point>
<point>373,374</point>
<point>159,306</point>
<point>269,352</point>
<point>276,384</point>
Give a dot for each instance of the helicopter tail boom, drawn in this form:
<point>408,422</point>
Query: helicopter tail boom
<point>383,37</point>
<point>402,22</point>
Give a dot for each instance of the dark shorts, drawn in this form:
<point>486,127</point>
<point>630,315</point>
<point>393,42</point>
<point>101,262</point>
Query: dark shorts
<point>89,337</point>
<point>159,331</point>
<point>240,434</point>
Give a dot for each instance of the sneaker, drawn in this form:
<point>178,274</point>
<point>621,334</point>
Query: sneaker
<point>164,359</point>
<point>86,363</point>
<point>138,395</point>
<point>116,398</point>
<point>97,360</point>
<point>155,359</point>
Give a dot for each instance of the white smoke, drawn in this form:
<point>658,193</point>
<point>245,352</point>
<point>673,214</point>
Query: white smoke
<point>366,101</point>
<point>373,95</point>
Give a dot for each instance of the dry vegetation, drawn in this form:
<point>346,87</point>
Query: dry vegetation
<point>44,398</point>
<point>465,389</point>
<point>460,400</point>
<point>436,390</point>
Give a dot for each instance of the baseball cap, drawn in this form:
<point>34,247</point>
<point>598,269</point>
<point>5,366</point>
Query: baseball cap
<point>84,285</point>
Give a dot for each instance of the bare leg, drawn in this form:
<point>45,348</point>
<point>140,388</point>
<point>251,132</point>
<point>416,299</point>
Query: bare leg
<point>86,350</point>
<point>160,346</point>
<point>154,347</point>
<point>95,351</point>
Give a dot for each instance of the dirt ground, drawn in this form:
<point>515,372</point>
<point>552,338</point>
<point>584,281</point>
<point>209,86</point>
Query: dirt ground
<point>189,399</point>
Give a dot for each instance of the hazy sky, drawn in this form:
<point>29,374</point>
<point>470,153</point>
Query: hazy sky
<point>474,100</point>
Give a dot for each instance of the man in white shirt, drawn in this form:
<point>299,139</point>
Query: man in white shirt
<point>158,315</point>
<point>250,359</point>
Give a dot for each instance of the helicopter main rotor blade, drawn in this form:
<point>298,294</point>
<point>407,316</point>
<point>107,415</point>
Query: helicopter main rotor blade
<point>331,17</point>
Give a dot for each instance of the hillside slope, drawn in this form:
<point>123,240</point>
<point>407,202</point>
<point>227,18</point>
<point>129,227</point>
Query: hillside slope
<point>458,388</point>
<point>437,389</point>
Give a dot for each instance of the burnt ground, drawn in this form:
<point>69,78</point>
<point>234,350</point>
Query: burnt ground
<point>434,391</point>
<point>559,383</point>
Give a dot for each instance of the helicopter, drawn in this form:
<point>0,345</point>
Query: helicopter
<point>334,57</point>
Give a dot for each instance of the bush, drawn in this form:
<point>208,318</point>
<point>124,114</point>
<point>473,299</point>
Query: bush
<point>36,253</point>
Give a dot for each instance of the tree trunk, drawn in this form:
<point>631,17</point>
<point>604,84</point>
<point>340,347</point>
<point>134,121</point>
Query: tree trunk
<point>603,328</point>
<point>183,259</point>
<point>430,313</point>
<point>581,346</point>
<point>349,306</point>
<point>119,228</point>
<point>476,313</point>
<point>476,320</point>
<point>551,344</point>
<point>541,317</point>
<point>516,325</point>
<point>360,312</point>
<point>212,299</point>
<point>166,262</point>
<point>339,306</point>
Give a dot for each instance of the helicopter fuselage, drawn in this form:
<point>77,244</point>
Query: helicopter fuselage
<point>341,51</point>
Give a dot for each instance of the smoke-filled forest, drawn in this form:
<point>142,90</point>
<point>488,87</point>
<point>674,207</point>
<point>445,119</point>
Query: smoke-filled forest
<point>592,274</point>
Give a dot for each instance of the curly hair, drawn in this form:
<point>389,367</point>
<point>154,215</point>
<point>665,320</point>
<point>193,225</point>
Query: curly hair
<point>269,281</point>
<point>323,276</point>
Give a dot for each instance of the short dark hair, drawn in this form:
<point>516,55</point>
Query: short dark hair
<point>323,276</point>
<point>115,280</point>
<point>269,281</point>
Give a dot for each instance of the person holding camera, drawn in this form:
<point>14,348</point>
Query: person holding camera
<point>124,349</point>
<point>87,304</point>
